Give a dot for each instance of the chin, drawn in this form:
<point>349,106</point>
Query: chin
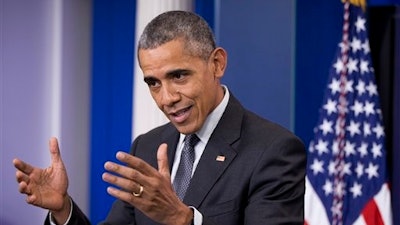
<point>186,129</point>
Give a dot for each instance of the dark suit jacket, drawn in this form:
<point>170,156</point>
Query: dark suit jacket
<point>260,182</point>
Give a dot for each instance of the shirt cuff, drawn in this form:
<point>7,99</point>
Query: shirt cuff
<point>69,217</point>
<point>197,216</point>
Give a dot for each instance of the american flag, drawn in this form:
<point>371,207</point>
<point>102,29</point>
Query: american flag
<point>346,168</point>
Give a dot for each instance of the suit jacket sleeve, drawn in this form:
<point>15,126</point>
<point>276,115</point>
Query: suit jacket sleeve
<point>120,213</point>
<point>77,217</point>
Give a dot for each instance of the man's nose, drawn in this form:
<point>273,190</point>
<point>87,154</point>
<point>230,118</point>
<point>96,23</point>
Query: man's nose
<point>169,95</point>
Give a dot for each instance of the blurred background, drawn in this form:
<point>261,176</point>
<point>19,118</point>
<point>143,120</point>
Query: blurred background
<point>68,69</point>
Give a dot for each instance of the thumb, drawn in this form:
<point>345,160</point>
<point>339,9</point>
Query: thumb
<point>162,160</point>
<point>54,151</point>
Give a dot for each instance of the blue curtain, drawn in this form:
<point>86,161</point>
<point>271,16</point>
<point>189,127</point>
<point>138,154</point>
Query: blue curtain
<point>112,77</point>
<point>205,8</point>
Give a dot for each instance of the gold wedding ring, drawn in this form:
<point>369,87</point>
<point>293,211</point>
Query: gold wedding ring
<point>140,192</point>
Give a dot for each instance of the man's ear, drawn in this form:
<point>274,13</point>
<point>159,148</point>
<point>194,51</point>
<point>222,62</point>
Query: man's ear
<point>219,59</point>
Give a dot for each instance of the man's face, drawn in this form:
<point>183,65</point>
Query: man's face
<point>185,87</point>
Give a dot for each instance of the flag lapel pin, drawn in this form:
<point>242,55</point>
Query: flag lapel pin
<point>220,158</point>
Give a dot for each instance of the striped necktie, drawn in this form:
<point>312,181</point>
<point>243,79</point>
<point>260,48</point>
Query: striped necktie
<point>184,172</point>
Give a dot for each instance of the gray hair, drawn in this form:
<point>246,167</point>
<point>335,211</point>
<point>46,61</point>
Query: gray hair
<point>197,35</point>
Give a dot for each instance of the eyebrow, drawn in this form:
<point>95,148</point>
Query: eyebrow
<point>175,72</point>
<point>170,74</point>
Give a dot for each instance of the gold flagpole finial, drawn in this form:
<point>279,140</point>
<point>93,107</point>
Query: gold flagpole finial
<point>359,3</point>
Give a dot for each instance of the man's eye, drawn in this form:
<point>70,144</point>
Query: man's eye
<point>179,76</point>
<point>151,82</point>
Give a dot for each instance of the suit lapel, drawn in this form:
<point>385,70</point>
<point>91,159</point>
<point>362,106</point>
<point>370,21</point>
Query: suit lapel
<point>208,171</point>
<point>217,155</point>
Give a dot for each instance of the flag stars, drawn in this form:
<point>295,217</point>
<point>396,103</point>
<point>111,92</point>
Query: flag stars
<point>356,190</point>
<point>365,47</point>
<point>352,65</point>
<point>360,87</point>
<point>372,89</point>
<point>367,129</point>
<point>326,127</point>
<point>334,86</point>
<point>347,169</point>
<point>357,108</point>
<point>335,147</point>
<point>363,149</point>
<point>339,66</point>
<point>359,169</point>
<point>372,171</point>
<point>328,187</point>
<point>353,128</point>
<point>317,166</point>
<point>331,168</point>
<point>355,45</point>
<point>321,147</point>
<point>360,24</point>
<point>369,108</point>
<point>349,85</point>
<point>379,131</point>
<point>330,106</point>
<point>349,149</point>
<point>364,66</point>
<point>376,150</point>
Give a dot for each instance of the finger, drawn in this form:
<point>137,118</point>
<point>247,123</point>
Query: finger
<point>31,199</point>
<point>125,177</point>
<point>136,163</point>
<point>125,196</point>
<point>123,171</point>
<point>123,183</point>
<point>21,177</point>
<point>54,150</point>
<point>22,166</point>
<point>23,188</point>
<point>162,160</point>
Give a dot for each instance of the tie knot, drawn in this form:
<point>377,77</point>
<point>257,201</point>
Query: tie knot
<point>191,140</point>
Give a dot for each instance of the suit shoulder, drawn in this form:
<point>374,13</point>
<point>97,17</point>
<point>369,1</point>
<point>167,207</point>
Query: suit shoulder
<point>157,132</point>
<point>261,127</point>
<point>154,137</point>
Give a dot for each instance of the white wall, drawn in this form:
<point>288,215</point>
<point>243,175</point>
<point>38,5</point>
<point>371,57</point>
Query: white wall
<point>146,115</point>
<point>44,92</point>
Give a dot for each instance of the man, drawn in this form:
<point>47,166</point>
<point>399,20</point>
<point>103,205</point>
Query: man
<point>245,169</point>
